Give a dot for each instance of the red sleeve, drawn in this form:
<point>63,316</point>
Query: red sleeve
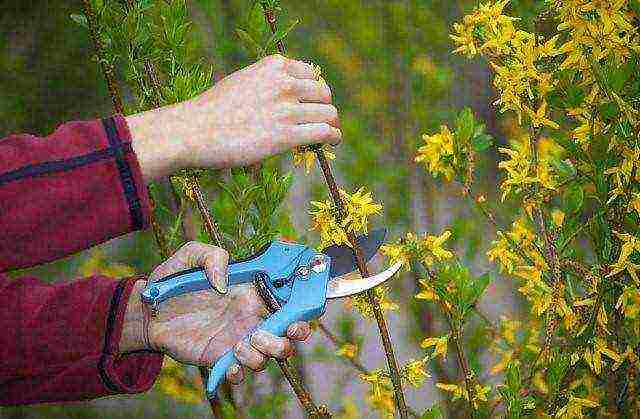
<point>60,194</point>
<point>59,341</point>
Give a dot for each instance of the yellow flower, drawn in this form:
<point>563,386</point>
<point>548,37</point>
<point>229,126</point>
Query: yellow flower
<point>414,372</point>
<point>361,302</point>
<point>539,117</point>
<point>573,408</point>
<point>440,345</point>
<point>426,292</point>
<point>304,156</point>
<point>348,350</point>
<point>438,153</point>
<point>397,253</point>
<point>457,392</point>
<point>558,217</point>
<point>593,355</point>
<point>380,394</point>
<point>434,250</point>
<point>359,206</point>
<point>629,302</point>
<point>630,244</point>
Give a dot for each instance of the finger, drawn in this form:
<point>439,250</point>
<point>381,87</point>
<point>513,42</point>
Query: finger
<point>272,345</point>
<point>235,374</point>
<point>250,357</point>
<point>299,331</point>
<point>306,134</point>
<point>214,260</point>
<point>300,69</point>
<point>312,91</point>
<point>306,113</point>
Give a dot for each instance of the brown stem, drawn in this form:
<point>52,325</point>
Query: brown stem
<point>353,361</point>
<point>337,343</point>
<point>288,369</point>
<point>360,261</point>
<point>456,334</point>
<point>107,68</point>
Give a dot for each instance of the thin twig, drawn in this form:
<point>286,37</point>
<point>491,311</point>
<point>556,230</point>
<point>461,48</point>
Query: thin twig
<point>116,99</point>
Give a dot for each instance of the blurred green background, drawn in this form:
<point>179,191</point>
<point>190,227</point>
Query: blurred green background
<point>393,77</point>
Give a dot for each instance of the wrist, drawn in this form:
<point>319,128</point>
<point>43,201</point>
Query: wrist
<point>132,338</point>
<point>157,142</point>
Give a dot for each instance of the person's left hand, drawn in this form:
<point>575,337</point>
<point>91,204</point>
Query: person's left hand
<point>197,328</point>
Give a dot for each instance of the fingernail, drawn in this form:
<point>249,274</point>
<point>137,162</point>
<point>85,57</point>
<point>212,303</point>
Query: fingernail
<point>220,281</point>
<point>260,338</point>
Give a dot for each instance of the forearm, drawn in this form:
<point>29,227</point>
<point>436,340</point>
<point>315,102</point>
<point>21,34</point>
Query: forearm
<point>79,186</point>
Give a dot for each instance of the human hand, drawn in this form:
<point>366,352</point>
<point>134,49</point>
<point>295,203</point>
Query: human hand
<point>197,328</point>
<point>264,109</point>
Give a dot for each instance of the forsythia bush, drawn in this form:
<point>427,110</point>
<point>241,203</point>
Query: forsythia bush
<point>573,249</point>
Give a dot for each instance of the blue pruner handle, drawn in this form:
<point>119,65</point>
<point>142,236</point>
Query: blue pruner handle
<point>307,302</point>
<point>275,324</point>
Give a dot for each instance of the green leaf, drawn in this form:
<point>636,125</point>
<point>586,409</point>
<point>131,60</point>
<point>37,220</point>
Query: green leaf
<point>608,111</point>
<point>279,36</point>
<point>482,142</point>
<point>80,19</point>
<point>573,198</point>
<point>574,96</point>
<point>465,125</point>
<point>252,46</point>
<point>432,413</point>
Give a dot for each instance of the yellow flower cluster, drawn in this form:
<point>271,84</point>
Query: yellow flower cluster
<point>427,250</point>
<point>480,392</point>
<point>515,56</point>
<point>348,350</point>
<point>520,237</point>
<point>440,344</point>
<point>519,172</point>
<point>361,303</point>
<point>380,395</point>
<point>359,206</point>
<point>630,245</point>
<point>437,154</point>
<point>597,30</point>
<point>305,157</point>
<point>593,355</point>
<point>415,373</point>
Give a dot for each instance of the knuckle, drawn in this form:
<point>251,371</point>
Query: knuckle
<point>275,60</point>
<point>287,84</point>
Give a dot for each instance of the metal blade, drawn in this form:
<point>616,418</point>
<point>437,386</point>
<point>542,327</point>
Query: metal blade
<point>342,258</point>
<point>342,286</point>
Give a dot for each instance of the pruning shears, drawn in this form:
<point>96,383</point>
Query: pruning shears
<point>297,279</point>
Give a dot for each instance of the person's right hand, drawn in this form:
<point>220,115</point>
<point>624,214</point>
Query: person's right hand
<point>264,109</point>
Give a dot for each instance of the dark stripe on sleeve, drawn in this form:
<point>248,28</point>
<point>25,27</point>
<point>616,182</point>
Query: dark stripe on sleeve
<point>106,350</point>
<point>58,166</point>
<point>126,177</point>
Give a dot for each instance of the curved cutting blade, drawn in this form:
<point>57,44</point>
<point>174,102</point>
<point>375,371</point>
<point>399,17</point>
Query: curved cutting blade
<point>342,258</point>
<point>343,286</point>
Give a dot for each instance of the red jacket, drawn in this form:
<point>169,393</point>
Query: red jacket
<point>59,194</point>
